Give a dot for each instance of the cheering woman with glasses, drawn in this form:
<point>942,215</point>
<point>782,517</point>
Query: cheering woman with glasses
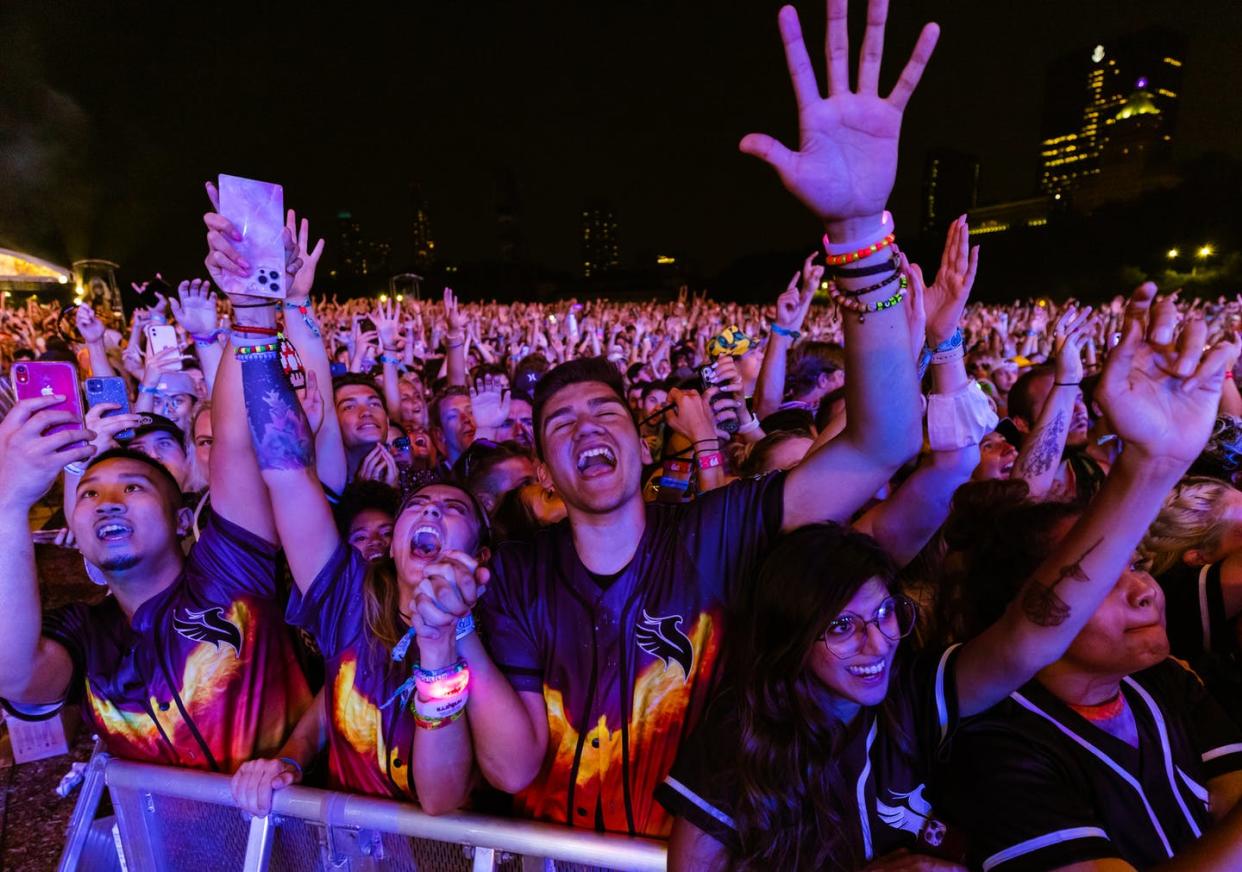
<point>830,750</point>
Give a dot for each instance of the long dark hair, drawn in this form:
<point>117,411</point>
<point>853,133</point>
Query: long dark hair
<point>787,817</point>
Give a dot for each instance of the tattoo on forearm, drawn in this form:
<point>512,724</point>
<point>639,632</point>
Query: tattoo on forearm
<point>281,434</point>
<point>1040,602</point>
<point>1046,448</point>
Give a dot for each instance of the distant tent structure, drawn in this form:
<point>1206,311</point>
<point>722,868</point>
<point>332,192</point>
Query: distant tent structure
<point>25,273</point>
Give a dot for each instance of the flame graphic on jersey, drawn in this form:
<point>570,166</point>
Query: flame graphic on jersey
<point>360,723</point>
<point>666,706</point>
<point>235,729</point>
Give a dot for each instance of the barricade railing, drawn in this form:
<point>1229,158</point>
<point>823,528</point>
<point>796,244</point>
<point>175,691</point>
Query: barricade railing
<point>182,819</point>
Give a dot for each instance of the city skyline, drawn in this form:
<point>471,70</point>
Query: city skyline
<point>643,107</point>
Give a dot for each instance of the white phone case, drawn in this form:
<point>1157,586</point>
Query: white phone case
<point>257,210</point>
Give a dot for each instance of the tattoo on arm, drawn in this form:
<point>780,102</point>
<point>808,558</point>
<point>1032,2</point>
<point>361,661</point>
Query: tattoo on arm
<point>1046,448</point>
<point>281,434</point>
<point>1040,602</point>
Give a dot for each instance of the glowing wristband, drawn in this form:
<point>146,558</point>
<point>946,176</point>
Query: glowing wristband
<point>442,693</point>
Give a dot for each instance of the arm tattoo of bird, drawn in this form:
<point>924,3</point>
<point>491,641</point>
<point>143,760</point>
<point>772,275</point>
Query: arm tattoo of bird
<point>1040,602</point>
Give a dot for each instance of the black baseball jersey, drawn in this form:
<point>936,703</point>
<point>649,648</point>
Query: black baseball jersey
<point>885,787</point>
<point>1042,787</point>
<point>1202,634</point>
<point>626,669</point>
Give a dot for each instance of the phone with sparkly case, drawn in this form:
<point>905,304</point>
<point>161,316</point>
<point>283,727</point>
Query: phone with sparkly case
<point>257,210</point>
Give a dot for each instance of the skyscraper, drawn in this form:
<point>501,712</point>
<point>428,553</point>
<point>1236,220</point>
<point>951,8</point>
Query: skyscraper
<point>424,242</point>
<point>601,249</point>
<point>950,187</point>
<point>350,250</point>
<point>1087,90</point>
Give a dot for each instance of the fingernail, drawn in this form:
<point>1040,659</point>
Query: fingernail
<point>245,264</point>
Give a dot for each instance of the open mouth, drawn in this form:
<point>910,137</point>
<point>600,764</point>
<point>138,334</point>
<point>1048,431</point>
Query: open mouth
<point>868,671</point>
<point>426,542</point>
<point>596,461</point>
<point>1007,468</point>
<point>113,531</point>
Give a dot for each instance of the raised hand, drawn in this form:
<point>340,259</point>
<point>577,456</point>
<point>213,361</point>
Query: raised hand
<point>167,360</point>
<point>302,278</point>
<point>194,307</point>
<point>690,415</point>
<point>846,162</point>
<point>30,460</point>
<point>387,320</point>
<point>453,316</point>
<point>223,259</point>
<point>946,297</point>
<point>1161,391</point>
<point>312,402</point>
<point>91,328</point>
<point>793,304</point>
<point>489,403</point>
<point>1072,330</point>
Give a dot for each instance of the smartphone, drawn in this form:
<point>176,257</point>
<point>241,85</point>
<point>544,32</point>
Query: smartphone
<point>160,337</point>
<point>40,378</point>
<point>257,210</point>
<point>109,389</point>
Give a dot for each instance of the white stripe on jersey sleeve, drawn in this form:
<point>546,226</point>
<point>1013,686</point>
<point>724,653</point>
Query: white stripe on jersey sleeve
<point>1204,619</point>
<point>700,802</point>
<point>1222,751</point>
<point>942,705</point>
<point>1047,839</point>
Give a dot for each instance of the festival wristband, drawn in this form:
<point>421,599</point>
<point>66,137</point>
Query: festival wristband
<point>143,389</point>
<point>749,427</point>
<point>465,626</point>
<point>711,460</point>
<point>784,331</point>
<point>294,763</point>
<point>385,358</point>
<point>206,338</point>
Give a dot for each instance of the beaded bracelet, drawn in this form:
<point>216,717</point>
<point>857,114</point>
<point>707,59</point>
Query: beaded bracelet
<point>303,307</point>
<point>250,351</point>
<point>872,288</point>
<point>865,309</point>
<point>864,271</point>
<point>865,251</point>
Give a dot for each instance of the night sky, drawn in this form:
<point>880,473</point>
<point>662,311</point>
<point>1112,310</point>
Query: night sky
<point>112,115</point>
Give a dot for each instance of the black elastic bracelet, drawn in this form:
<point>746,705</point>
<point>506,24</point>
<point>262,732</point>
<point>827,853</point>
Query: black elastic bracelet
<point>862,271</point>
<point>867,290</point>
<point>254,305</point>
<point>1066,384</point>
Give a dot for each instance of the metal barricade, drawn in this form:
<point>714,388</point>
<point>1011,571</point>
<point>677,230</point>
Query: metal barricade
<point>182,819</point>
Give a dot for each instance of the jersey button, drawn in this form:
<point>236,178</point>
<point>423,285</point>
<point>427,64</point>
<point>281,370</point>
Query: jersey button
<point>164,706</point>
<point>581,811</point>
<point>397,764</point>
<point>595,742</point>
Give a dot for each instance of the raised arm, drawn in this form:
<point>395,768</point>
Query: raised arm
<point>1161,397</point>
<point>263,440</point>
<point>791,309</point>
<point>93,332</point>
<point>454,340</point>
<point>195,309</point>
<point>303,330</point>
<point>844,172</point>
<point>1040,458</point>
<point>907,520</point>
<point>33,670</point>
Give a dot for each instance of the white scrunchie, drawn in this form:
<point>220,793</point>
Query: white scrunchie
<point>960,419</point>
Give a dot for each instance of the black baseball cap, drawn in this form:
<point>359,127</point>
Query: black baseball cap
<point>153,423</point>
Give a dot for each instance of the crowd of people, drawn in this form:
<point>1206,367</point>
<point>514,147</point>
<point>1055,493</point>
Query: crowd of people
<point>868,577</point>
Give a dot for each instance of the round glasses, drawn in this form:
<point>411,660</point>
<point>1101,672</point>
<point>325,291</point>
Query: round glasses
<point>847,635</point>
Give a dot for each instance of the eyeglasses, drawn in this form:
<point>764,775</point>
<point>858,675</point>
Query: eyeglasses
<point>847,635</point>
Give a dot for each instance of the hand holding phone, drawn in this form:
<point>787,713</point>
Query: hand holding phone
<point>42,378</point>
<point>110,389</point>
<point>257,210</point>
<point>161,337</point>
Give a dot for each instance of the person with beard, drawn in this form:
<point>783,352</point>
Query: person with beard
<point>1057,434</point>
<point>184,643</point>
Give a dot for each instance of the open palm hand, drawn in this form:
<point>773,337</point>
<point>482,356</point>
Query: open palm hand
<point>846,160</point>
